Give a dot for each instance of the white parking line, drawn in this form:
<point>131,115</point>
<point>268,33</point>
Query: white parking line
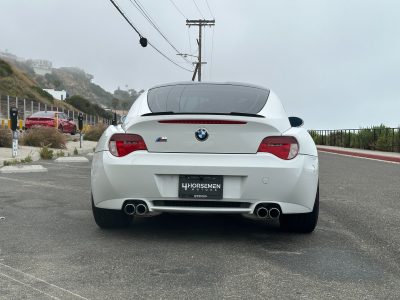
<point>53,285</point>
<point>28,286</point>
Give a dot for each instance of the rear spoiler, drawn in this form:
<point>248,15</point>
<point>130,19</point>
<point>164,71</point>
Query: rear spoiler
<point>166,113</point>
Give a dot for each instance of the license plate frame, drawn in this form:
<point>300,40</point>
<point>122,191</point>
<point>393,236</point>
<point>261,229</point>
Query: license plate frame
<point>201,186</point>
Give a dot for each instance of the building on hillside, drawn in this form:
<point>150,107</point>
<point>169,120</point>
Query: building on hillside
<point>60,95</point>
<point>10,56</point>
<point>41,66</point>
<point>105,107</point>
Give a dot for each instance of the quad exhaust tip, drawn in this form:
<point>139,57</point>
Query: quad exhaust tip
<point>130,209</point>
<point>141,209</point>
<point>267,212</point>
<point>274,213</point>
<point>262,212</point>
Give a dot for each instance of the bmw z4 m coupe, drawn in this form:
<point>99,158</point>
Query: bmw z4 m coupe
<point>194,147</point>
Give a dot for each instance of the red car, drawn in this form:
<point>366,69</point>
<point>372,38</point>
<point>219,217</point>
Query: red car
<point>41,118</point>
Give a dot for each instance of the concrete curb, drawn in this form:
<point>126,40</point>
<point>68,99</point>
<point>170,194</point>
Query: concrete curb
<point>359,154</point>
<point>23,169</point>
<point>71,159</point>
<point>37,157</point>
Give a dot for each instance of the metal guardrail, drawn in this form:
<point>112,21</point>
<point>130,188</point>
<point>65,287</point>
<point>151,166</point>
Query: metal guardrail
<point>28,107</point>
<point>376,138</point>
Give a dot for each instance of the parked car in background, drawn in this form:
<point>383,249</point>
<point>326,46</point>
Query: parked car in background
<point>42,118</point>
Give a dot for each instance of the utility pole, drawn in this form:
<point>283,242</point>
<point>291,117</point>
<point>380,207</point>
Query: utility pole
<point>199,23</point>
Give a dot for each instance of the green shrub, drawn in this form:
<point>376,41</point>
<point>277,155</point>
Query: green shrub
<point>75,151</point>
<point>5,137</point>
<point>28,159</point>
<point>44,136</point>
<point>10,163</point>
<point>5,69</point>
<point>60,153</point>
<point>95,132</point>
<point>43,93</point>
<point>46,153</point>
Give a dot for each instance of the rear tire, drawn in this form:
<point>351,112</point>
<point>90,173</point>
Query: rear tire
<point>110,218</point>
<point>304,223</point>
<point>74,131</point>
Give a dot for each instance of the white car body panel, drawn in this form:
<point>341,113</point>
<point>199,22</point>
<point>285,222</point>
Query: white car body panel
<point>249,177</point>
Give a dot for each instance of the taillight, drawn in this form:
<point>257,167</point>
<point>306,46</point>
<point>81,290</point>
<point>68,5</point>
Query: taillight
<point>123,144</point>
<point>285,147</point>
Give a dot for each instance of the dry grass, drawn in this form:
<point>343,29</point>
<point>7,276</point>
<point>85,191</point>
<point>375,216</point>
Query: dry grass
<point>19,84</point>
<point>44,136</point>
<point>5,137</point>
<point>95,133</point>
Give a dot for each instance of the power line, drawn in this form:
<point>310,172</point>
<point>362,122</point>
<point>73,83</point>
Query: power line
<point>198,9</point>
<point>147,16</point>
<point>178,9</point>
<point>140,35</point>
<point>210,10</point>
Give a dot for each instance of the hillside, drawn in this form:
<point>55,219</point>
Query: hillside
<point>17,83</point>
<point>75,82</point>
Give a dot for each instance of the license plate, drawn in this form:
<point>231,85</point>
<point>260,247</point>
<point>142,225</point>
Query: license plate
<point>200,186</point>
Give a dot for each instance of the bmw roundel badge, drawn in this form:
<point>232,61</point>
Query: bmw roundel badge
<point>201,134</point>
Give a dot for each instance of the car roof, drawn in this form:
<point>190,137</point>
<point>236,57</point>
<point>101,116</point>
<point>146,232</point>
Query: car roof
<point>211,82</point>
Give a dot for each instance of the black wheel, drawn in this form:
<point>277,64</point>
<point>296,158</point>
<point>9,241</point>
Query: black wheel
<point>74,131</point>
<point>301,222</point>
<point>110,218</point>
<point>60,129</point>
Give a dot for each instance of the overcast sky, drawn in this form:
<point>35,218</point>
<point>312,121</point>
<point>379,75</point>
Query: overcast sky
<point>336,64</point>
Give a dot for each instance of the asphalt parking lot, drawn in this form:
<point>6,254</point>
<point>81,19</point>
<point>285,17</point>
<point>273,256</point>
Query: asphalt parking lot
<point>50,246</point>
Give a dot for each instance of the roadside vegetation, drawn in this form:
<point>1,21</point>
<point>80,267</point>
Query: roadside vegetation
<point>17,162</point>
<point>46,153</point>
<point>5,137</point>
<point>86,107</point>
<point>44,136</point>
<point>379,138</point>
<point>95,132</point>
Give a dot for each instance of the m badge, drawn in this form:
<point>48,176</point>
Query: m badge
<point>161,139</point>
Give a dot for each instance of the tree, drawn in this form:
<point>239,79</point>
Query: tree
<point>115,103</point>
<point>89,77</point>
<point>125,105</point>
<point>122,94</point>
<point>82,104</point>
<point>57,83</point>
<point>126,86</point>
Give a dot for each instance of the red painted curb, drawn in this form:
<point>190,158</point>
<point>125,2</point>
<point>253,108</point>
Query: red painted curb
<point>358,154</point>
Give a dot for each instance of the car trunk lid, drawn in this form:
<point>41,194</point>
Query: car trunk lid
<point>202,133</point>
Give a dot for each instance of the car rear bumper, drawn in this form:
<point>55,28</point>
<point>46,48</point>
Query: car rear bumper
<point>30,125</point>
<point>249,179</point>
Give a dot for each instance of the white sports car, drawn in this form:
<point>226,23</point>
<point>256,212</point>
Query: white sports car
<point>194,147</point>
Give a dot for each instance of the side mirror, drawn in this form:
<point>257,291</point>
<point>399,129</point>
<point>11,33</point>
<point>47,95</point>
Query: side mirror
<point>123,118</point>
<point>296,122</point>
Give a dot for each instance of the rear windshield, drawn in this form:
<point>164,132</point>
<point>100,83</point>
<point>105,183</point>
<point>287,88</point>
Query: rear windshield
<point>207,98</point>
<point>43,114</point>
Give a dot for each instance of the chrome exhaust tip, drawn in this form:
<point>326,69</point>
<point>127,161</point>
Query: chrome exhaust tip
<point>141,209</point>
<point>130,209</point>
<point>262,212</point>
<point>274,213</point>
